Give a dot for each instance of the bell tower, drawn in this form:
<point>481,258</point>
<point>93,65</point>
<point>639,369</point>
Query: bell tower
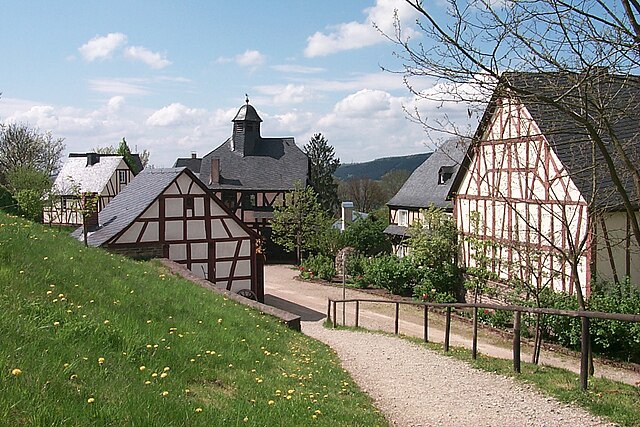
<point>246,130</point>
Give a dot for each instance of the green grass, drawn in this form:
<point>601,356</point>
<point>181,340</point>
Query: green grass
<point>619,402</point>
<point>63,307</point>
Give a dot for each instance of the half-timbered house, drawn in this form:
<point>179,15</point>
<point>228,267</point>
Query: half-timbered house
<point>102,175</point>
<point>170,213</point>
<point>249,173</point>
<point>534,191</point>
<point>427,186</point>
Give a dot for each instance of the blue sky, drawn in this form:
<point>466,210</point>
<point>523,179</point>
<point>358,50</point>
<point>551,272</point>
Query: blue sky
<point>170,75</point>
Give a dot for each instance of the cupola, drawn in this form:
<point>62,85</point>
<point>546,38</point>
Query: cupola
<point>246,130</point>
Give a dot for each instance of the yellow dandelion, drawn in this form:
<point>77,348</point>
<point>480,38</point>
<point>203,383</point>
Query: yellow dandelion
<point>219,320</point>
<point>271,402</point>
<point>142,368</point>
<point>56,323</point>
<point>154,375</point>
<point>149,346</point>
<point>106,322</point>
<point>16,372</point>
<point>192,360</point>
<point>289,397</point>
<point>231,365</point>
<point>66,365</point>
<point>187,391</point>
<point>314,416</point>
<point>49,292</point>
<point>60,295</point>
<point>163,375</point>
<point>90,400</point>
<point>166,368</point>
<point>101,360</point>
<point>45,258</point>
<point>147,382</point>
<point>318,412</point>
<point>73,377</point>
<point>291,391</point>
<point>165,393</point>
<point>245,419</point>
<point>198,410</point>
<point>149,321</point>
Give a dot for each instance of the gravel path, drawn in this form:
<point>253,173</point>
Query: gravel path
<point>415,386</point>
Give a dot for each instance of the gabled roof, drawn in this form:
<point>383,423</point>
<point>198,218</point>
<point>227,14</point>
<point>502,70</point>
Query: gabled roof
<point>423,187</point>
<point>275,164</point>
<point>135,198</point>
<point>130,203</point>
<point>191,163</point>
<point>615,95</point>
<point>76,174</point>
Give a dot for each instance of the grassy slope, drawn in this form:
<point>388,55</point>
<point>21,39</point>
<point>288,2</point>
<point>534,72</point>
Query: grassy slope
<point>63,307</point>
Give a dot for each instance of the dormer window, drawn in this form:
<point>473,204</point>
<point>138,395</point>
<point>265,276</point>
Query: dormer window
<point>403,217</point>
<point>445,174</point>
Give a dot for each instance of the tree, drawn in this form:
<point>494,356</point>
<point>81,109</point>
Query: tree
<point>392,181</point>
<point>123,150</point>
<point>299,221</point>
<point>365,193</point>
<point>323,164</point>
<point>28,188</point>
<point>23,146</point>
<point>563,41</point>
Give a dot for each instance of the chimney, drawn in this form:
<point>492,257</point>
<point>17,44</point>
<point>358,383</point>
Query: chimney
<point>93,158</point>
<point>215,171</point>
<point>347,214</point>
<point>194,155</point>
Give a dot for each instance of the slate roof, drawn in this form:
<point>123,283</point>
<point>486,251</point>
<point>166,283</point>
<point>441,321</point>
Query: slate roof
<point>130,203</point>
<point>93,178</point>
<point>275,164</point>
<point>191,163</point>
<point>422,188</point>
<point>247,113</point>
<point>616,96</point>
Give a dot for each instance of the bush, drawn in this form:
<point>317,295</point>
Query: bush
<point>397,275</point>
<point>367,236</point>
<point>438,284</point>
<point>318,266</point>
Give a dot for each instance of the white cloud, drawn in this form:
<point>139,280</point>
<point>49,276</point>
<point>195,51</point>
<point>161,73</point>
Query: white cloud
<point>297,69</point>
<point>102,47</point>
<point>286,94</point>
<point>175,114</point>
<point>250,58</point>
<point>365,103</point>
<point>115,103</point>
<point>152,59</point>
<point>355,35</point>
<point>119,86</point>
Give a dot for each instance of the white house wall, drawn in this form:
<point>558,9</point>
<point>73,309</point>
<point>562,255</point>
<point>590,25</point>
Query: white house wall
<point>197,232</point>
<point>617,255</point>
<point>518,187</point>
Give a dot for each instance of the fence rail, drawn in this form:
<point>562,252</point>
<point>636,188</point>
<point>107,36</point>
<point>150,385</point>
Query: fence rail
<point>585,316</point>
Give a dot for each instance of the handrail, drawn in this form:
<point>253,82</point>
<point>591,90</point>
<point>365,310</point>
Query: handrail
<point>584,315</point>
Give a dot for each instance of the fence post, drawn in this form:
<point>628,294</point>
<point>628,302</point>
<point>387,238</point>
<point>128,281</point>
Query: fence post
<point>447,329</point>
<point>397,317</point>
<point>328,309</point>
<point>357,312</point>
<point>335,315</point>
<point>426,323</point>
<point>584,353</point>
<point>474,344</point>
<point>516,342</point>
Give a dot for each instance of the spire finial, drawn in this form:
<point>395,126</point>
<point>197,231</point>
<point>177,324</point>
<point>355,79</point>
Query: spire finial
<point>246,98</point>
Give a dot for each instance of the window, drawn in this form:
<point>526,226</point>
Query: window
<point>403,217</point>
<point>248,200</point>
<point>239,127</point>
<point>188,202</point>
<point>229,199</point>
<point>123,177</point>
<point>445,174</point>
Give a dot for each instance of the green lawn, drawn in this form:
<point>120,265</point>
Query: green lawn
<point>91,338</point>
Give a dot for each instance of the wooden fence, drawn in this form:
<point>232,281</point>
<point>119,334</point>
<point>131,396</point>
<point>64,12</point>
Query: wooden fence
<point>517,310</point>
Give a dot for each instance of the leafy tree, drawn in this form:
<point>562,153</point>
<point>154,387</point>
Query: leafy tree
<point>298,223</point>
<point>123,150</point>
<point>392,181</point>
<point>365,193</point>
<point>23,146</point>
<point>367,235</point>
<point>323,165</point>
<point>28,188</point>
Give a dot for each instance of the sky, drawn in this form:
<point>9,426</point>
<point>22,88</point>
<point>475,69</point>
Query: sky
<point>169,76</point>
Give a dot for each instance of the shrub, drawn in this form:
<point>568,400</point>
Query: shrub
<point>320,266</point>
<point>397,275</point>
<point>367,236</point>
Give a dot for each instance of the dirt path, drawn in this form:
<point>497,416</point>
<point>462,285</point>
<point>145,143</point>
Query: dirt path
<point>309,300</point>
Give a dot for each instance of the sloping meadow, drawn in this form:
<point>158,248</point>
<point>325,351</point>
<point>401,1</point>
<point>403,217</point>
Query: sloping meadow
<point>92,338</point>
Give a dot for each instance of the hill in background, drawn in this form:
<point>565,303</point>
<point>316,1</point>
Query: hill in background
<point>375,169</point>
